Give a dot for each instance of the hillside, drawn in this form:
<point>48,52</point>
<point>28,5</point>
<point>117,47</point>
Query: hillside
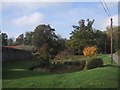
<point>17,75</point>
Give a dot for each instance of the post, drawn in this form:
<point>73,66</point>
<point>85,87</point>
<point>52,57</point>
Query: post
<point>111,37</point>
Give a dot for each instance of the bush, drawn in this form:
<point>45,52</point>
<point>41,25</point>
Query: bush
<point>94,63</point>
<point>45,62</point>
<point>32,68</point>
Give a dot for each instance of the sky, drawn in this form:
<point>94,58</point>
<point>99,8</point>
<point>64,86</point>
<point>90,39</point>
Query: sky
<point>19,17</point>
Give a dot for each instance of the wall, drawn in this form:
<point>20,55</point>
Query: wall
<point>9,54</point>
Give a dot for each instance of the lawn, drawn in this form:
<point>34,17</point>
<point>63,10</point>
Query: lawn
<point>17,75</point>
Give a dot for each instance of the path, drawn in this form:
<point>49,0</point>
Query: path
<point>116,58</point>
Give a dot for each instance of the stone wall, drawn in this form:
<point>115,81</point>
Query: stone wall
<point>10,54</point>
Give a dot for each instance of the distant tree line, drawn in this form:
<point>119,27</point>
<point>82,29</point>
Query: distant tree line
<point>43,37</point>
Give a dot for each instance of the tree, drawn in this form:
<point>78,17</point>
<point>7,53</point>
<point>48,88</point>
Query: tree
<point>28,38</point>
<point>45,34</point>
<point>42,34</point>
<point>81,36</point>
<point>102,41</point>
<point>84,36</point>
<point>20,39</point>
<point>89,51</point>
<point>10,42</point>
<point>82,25</point>
<point>43,51</point>
<point>116,37</point>
<point>4,39</point>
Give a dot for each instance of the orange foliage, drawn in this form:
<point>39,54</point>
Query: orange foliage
<point>89,51</point>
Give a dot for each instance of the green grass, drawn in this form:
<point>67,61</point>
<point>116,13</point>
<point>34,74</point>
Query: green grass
<point>17,75</point>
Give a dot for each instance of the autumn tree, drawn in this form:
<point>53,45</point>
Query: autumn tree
<point>89,50</point>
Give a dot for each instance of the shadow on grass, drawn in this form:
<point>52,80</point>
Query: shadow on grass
<point>22,74</point>
<point>6,75</point>
<point>110,65</point>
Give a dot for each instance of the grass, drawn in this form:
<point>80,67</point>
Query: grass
<point>17,75</point>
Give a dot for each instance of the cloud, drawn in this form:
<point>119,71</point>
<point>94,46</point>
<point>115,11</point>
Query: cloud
<point>60,15</point>
<point>115,20</point>
<point>106,22</point>
<point>32,19</point>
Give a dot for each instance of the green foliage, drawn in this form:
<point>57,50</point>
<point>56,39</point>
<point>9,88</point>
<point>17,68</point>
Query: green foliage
<point>28,38</point>
<point>20,39</point>
<point>45,34</point>
<point>82,37</point>
<point>94,63</point>
<point>45,62</point>
<point>116,37</point>
<point>4,38</point>
<point>10,42</point>
<point>102,42</point>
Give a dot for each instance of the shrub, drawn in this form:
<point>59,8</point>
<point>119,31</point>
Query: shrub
<point>45,62</point>
<point>32,68</point>
<point>94,63</point>
<point>63,54</point>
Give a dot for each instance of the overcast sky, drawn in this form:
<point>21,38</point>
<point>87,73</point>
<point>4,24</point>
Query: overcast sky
<point>20,17</point>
